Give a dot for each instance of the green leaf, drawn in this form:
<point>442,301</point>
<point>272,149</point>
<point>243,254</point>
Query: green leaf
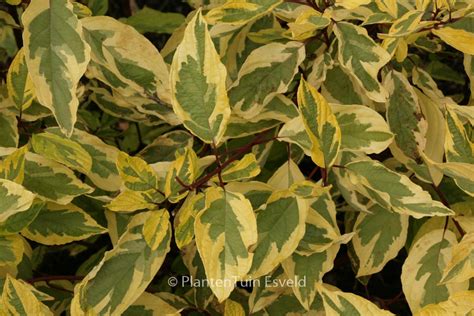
<point>225,229</point>
<point>320,125</point>
<point>362,58</point>
<point>51,29</point>
<point>150,20</point>
<point>423,270</point>
<point>198,78</point>
<point>8,130</point>
<point>273,65</point>
<point>61,224</point>
<point>393,191</point>
<point>12,248</point>
<point>62,150</point>
<point>164,147</point>
<point>125,271</point>
<point>281,225</point>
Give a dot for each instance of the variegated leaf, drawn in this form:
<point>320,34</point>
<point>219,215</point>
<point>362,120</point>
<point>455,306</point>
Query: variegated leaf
<point>225,230</point>
<point>320,125</point>
<point>15,223</point>
<point>273,65</point>
<point>21,298</point>
<point>198,83</point>
<point>459,34</point>
<point>60,224</point>
<point>137,175</point>
<point>461,266</point>
<point>11,250</point>
<point>185,168</point>
<point>375,242</point>
<point>281,225</point>
<point>423,269</point>
<point>308,271</point>
<point>62,150</point>
<point>184,219</point>
<point>157,304</point>
<point>8,130</point>
<point>341,303</point>
<point>14,199</point>
<point>240,12</point>
<point>51,180</point>
<point>362,58</point>
<point>242,169</point>
<point>459,303</point>
<point>286,175</point>
<point>362,129</point>
<point>131,201</point>
<point>164,147</point>
<point>19,83</point>
<point>392,190</point>
<point>51,29</point>
<point>124,272</point>
<point>124,59</point>
<point>404,115</point>
<point>13,166</point>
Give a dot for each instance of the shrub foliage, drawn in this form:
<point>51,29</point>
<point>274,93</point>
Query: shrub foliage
<point>274,157</point>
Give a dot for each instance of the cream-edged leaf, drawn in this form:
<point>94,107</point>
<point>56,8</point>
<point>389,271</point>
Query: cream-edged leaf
<point>225,229</point>
<point>281,225</point>
<point>362,58</point>
<point>393,191</point>
<point>320,125</point>
<point>57,57</point>
<point>19,83</point>
<point>124,272</point>
<point>198,84</point>
<point>461,266</point>
<point>423,270</point>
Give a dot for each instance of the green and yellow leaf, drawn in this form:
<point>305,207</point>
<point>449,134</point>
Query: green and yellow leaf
<point>423,270</point>
<point>225,229</point>
<point>459,303</point>
<point>62,150</point>
<point>459,34</point>
<point>14,199</point>
<point>61,224</point>
<point>198,84</point>
<point>51,29</point>
<point>240,12</point>
<point>320,125</point>
<point>362,58</point>
<point>21,298</point>
<point>274,66</point>
<point>13,166</point>
<point>392,190</point>
<point>375,241</point>
<point>185,168</point>
<point>124,273</point>
<point>461,266</point>
<point>19,83</point>
<point>52,181</point>
<point>281,226</point>
<point>125,60</point>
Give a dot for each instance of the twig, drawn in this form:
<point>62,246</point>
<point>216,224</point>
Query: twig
<point>444,200</point>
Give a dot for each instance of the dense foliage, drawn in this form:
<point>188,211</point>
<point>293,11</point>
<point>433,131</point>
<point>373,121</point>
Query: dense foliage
<point>261,157</point>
